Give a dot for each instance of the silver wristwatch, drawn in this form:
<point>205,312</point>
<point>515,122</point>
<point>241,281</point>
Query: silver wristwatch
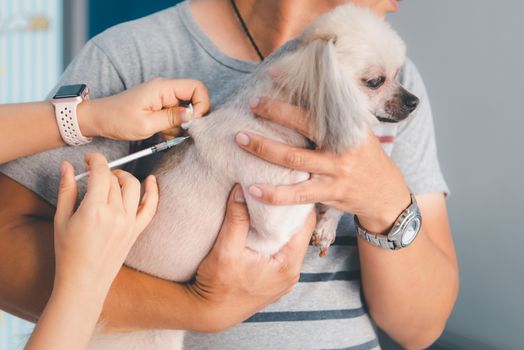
<point>403,233</point>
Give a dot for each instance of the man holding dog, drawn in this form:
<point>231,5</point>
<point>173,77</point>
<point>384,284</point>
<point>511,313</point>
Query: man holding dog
<point>409,293</point>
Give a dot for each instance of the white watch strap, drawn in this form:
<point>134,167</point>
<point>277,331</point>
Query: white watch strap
<point>66,118</point>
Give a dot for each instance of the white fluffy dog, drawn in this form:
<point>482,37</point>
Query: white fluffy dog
<point>342,71</point>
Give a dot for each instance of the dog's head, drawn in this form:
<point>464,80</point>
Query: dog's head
<point>344,73</point>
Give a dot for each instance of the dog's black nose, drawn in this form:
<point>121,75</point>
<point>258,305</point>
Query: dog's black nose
<point>410,101</point>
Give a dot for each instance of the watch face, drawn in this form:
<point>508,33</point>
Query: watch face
<point>70,91</point>
<point>411,230</point>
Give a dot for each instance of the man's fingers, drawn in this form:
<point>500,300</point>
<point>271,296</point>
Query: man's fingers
<point>232,235</point>
<point>148,205</point>
<point>307,192</point>
<point>99,181</point>
<point>67,194</point>
<point>284,155</point>
<point>129,189</point>
<point>285,114</point>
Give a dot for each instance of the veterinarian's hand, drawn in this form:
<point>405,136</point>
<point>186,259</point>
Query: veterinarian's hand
<point>92,243</point>
<point>363,180</point>
<point>234,282</point>
<point>144,110</point>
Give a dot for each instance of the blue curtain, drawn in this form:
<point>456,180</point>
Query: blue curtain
<point>104,14</point>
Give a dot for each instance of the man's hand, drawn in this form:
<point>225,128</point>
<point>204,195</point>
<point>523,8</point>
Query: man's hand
<point>234,282</point>
<point>362,180</point>
<point>230,285</point>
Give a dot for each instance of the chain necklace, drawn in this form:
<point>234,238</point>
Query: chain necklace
<point>246,31</point>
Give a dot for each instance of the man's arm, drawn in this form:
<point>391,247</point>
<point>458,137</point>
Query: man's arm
<point>410,293</point>
<point>222,295</point>
<point>26,252</point>
<point>419,282</point>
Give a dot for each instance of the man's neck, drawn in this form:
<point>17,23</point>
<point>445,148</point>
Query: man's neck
<point>271,23</point>
<point>274,22</point>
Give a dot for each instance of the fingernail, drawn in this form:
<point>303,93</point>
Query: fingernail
<point>186,115</point>
<point>253,102</point>
<point>239,195</point>
<point>242,139</point>
<point>255,191</point>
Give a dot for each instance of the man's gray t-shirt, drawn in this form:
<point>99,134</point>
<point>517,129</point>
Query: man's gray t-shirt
<point>325,311</point>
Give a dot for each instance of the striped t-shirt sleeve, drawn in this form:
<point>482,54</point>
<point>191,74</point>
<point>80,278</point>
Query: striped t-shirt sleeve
<point>415,149</point>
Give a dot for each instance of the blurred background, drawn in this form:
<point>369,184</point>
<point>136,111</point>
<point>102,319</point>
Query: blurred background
<point>470,54</point>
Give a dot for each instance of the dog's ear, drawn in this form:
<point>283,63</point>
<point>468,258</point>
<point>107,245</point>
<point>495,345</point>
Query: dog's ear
<point>312,78</point>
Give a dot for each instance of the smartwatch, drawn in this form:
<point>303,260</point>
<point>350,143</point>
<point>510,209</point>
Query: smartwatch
<point>65,102</point>
<point>402,234</point>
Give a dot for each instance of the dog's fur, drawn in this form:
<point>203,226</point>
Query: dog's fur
<point>327,74</point>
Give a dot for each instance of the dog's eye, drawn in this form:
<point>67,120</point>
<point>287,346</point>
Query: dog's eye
<point>374,84</point>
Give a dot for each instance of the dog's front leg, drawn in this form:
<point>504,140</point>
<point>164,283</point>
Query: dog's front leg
<point>326,230</point>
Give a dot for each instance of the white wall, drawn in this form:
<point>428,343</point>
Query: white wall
<point>30,63</point>
<point>471,55</point>
<point>30,48</point>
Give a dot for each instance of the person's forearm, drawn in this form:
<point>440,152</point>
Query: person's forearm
<point>137,301</point>
<point>27,128</point>
<point>68,320</point>
<point>410,293</point>
<point>26,252</point>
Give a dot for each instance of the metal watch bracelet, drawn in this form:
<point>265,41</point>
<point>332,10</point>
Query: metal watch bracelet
<point>404,230</point>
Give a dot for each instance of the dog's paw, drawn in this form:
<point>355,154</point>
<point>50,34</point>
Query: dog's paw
<point>325,234</point>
